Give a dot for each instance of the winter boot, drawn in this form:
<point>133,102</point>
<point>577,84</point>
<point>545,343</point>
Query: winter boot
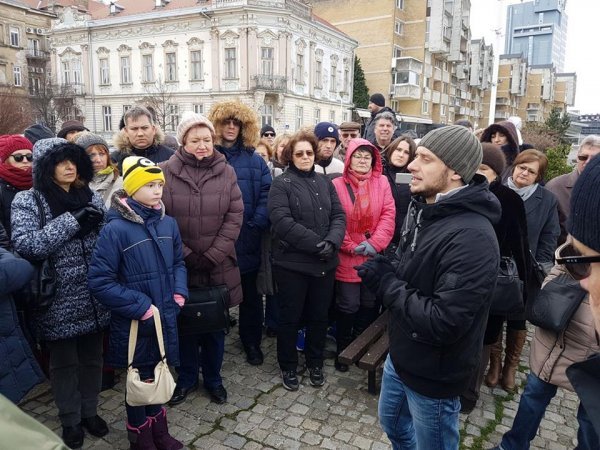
<point>343,337</point>
<point>494,372</point>
<point>141,437</point>
<point>160,432</point>
<point>515,340</point>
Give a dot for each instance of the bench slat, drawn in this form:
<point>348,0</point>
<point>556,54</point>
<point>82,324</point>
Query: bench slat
<point>362,343</point>
<point>376,354</point>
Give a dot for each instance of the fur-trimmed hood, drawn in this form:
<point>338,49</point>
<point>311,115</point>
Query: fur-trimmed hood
<point>122,143</point>
<point>120,208</point>
<point>47,153</point>
<point>235,109</point>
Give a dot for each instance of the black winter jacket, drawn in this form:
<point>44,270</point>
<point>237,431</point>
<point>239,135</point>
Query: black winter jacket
<point>440,295</point>
<point>156,153</point>
<point>7,195</point>
<point>401,194</point>
<point>369,133</point>
<point>304,210</point>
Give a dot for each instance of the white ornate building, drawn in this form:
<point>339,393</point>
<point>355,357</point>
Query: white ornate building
<point>294,68</point>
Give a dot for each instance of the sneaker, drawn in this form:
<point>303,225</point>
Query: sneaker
<point>316,376</point>
<point>290,380</point>
<point>300,340</point>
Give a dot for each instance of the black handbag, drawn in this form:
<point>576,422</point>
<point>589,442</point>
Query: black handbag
<point>554,305</point>
<point>507,297</point>
<point>43,283</point>
<point>538,273</point>
<point>205,311</point>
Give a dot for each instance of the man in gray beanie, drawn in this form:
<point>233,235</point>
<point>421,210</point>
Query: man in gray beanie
<point>437,291</point>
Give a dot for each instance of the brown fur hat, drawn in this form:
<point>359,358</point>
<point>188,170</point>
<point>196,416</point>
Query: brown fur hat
<point>235,109</point>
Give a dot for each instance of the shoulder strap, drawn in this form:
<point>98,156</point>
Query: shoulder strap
<point>133,337</point>
<point>40,205</point>
<point>350,192</point>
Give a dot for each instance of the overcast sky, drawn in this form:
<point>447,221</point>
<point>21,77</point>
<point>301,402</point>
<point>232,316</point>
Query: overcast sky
<point>583,34</point>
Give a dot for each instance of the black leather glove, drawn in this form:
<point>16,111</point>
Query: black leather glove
<point>198,262</point>
<point>88,217</point>
<point>326,250</point>
<point>372,270</point>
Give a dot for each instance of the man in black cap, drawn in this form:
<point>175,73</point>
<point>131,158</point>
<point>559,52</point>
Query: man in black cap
<point>376,107</point>
<point>437,292</point>
<point>268,132</point>
<point>69,128</point>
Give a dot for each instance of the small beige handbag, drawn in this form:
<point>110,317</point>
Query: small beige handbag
<point>153,392</point>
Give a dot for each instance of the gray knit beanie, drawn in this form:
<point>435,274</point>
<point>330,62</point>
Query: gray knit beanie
<point>584,218</point>
<point>86,139</point>
<point>457,147</point>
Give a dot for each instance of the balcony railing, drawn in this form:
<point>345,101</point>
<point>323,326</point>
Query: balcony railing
<point>70,89</point>
<point>405,91</point>
<point>272,83</point>
<point>33,53</point>
<point>533,106</point>
<point>501,115</point>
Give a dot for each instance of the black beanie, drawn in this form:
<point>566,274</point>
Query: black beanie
<point>37,132</point>
<point>378,99</point>
<point>266,128</point>
<point>584,217</point>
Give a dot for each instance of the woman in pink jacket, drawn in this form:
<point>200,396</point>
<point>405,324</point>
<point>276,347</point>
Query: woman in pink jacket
<point>367,199</point>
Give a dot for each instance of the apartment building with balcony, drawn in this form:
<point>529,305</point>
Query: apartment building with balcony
<point>511,86</point>
<point>538,101</point>
<point>294,68</point>
<point>24,48</point>
<point>564,90</point>
<point>417,53</point>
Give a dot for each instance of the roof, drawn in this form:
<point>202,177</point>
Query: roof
<point>99,10</point>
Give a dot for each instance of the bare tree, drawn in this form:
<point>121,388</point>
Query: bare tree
<point>15,114</point>
<point>158,98</point>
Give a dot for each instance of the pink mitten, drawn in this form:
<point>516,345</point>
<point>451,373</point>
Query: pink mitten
<point>148,314</point>
<point>179,299</point>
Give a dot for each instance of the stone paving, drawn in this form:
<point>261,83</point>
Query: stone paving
<point>260,413</point>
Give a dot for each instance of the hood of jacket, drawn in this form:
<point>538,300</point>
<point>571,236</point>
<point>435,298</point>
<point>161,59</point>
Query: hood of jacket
<point>249,133</point>
<point>352,146</point>
<point>507,128</point>
<point>382,110</point>
<point>122,143</point>
<point>119,209</point>
<point>47,153</point>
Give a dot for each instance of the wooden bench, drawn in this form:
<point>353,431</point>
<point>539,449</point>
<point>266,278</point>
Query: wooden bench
<point>369,350</point>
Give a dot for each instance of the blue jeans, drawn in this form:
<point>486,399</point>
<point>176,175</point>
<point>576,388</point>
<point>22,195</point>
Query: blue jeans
<point>212,346</point>
<point>533,404</point>
<point>413,421</point>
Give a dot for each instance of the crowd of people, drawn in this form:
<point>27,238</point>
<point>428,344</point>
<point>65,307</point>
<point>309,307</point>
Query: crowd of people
<point>323,227</point>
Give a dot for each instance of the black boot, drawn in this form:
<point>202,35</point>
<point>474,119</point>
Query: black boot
<point>343,336</point>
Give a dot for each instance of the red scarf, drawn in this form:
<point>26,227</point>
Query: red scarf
<point>361,218</point>
<point>19,178</point>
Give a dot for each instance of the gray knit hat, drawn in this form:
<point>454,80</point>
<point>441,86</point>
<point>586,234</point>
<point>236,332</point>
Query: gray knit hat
<point>584,217</point>
<point>86,140</point>
<point>457,147</point>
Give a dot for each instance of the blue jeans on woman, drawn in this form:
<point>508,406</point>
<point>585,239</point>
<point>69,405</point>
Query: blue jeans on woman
<point>212,346</point>
<point>413,421</point>
<point>533,404</point>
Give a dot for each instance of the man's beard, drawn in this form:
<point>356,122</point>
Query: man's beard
<point>439,185</point>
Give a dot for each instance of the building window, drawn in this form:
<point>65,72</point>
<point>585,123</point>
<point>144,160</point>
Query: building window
<point>198,108</point>
<point>333,78</point>
<point>397,52</point>
<point>425,108</point>
<point>318,74</point>
<point>230,63</point>
<point>147,69</point>
<point>299,68</point>
<point>173,117</point>
<point>104,71</point>
<point>34,85</point>
<point>66,72</point>
<point>332,115</point>
<point>345,116</point>
<point>14,36</point>
<point>346,79</point>
<point>299,117</point>
<point>125,70</point>
<point>399,27</point>
<point>443,110</point>
<point>171,66</point>
<point>107,118</point>
<point>196,64</point>
<point>317,115</point>
<point>266,115</point>
<point>17,76</point>
<point>126,108</point>
<point>33,46</point>
<point>267,60</point>
<point>405,77</point>
<point>400,4</point>
<point>76,68</point>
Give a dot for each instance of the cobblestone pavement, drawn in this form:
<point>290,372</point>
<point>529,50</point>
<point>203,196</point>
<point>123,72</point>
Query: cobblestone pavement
<point>341,414</point>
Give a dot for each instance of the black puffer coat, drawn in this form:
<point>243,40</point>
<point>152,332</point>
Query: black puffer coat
<point>304,210</point>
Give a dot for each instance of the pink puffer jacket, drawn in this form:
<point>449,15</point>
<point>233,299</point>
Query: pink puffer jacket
<point>382,207</point>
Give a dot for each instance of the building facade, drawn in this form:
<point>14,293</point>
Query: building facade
<point>511,86</point>
<point>175,56</point>
<point>538,30</point>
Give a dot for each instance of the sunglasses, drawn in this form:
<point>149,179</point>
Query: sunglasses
<point>269,134</point>
<point>583,157</point>
<point>300,154</point>
<point>578,265</point>
<point>19,157</point>
<point>351,135</point>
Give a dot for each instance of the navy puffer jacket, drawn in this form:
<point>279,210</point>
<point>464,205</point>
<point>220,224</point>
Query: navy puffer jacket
<point>138,261</point>
<point>254,180</point>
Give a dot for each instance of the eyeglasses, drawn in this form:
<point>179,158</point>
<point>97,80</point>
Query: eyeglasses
<point>526,169</point>
<point>18,157</point>
<point>583,158</point>
<point>300,153</point>
<point>578,266</point>
<point>269,134</point>
<point>233,122</point>
<point>362,157</point>
<point>350,135</point>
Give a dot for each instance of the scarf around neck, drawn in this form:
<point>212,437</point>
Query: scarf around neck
<point>524,192</point>
<point>22,179</point>
<point>361,218</point>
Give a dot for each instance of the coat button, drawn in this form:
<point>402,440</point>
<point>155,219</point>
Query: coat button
<point>320,209</point>
<point>414,335</point>
<point>317,193</point>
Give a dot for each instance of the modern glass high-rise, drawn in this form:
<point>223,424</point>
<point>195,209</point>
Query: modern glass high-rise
<point>538,30</point>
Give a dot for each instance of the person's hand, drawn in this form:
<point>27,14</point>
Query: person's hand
<point>204,263</point>
<point>373,270</point>
<point>191,261</point>
<point>179,299</point>
<point>326,250</point>
<point>88,216</point>
<point>365,248</point>
<point>148,314</point>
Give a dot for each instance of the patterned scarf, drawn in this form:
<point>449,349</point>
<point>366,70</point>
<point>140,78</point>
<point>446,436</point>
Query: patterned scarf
<point>361,218</point>
<point>19,178</point>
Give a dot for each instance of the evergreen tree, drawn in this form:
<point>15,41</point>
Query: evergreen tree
<point>558,123</point>
<point>361,91</point>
